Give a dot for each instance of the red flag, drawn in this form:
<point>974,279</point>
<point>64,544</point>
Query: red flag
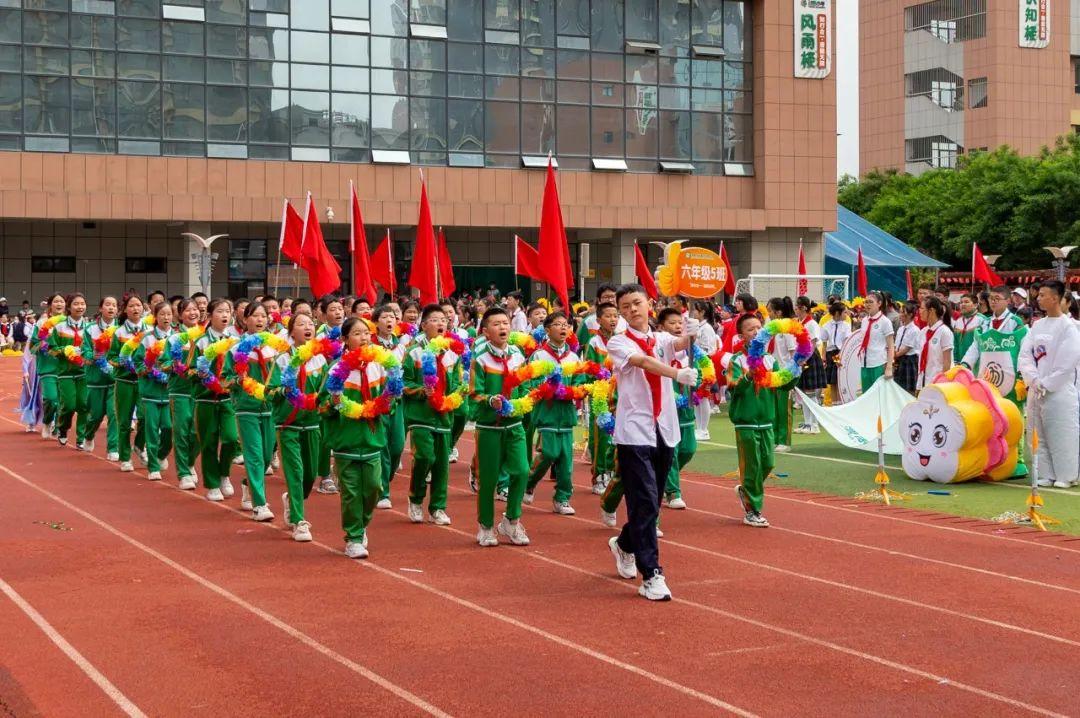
<point>526,259</point>
<point>556,268</point>
<point>292,233</point>
<point>361,263</point>
<point>382,266</point>
<point>910,294</point>
<point>324,273</point>
<point>980,268</point>
<point>729,285</point>
<point>446,267</point>
<point>641,268</point>
<point>861,285</point>
<point>803,286</point>
<point>424,270</point>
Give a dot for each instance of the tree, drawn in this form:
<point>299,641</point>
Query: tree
<point>859,195</point>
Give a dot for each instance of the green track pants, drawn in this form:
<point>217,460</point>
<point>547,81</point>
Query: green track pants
<point>756,461</point>
<point>72,391</point>
<point>158,432</point>
<point>782,420</point>
<point>431,455</point>
<point>395,446</point>
<point>100,406</point>
<point>257,446</point>
<point>50,398</point>
<point>185,443</point>
<point>684,452</point>
<point>299,447</point>
<point>126,396</point>
<point>556,448</point>
<point>500,451</point>
<point>215,428</point>
<point>359,483</point>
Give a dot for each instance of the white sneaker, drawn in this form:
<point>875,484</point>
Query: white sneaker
<point>416,513</point>
<point>609,520</point>
<point>142,456</point>
<point>753,518</point>
<point>439,518</point>
<point>659,533</point>
<point>302,532</point>
<point>355,549</point>
<point>563,508</point>
<point>782,448</point>
<point>598,485</point>
<point>527,498</point>
<point>46,432</point>
<point>238,460</point>
<point>276,461</point>
<point>154,476</point>
<point>214,495</point>
<point>384,504</point>
<point>624,562</point>
<point>188,483</point>
<point>813,429</point>
<point>655,588</point>
<point>486,537</point>
<point>700,435</point>
<point>1045,483</point>
<point>29,429</point>
<point>454,455</point>
<point>514,531</point>
<point>262,513</point>
<point>80,445</point>
<point>269,471</point>
<point>1062,485</point>
<point>502,496</point>
<point>126,466</point>
<point>327,486</point>
<point>245,498</point>
<point>801,429</point>
<point>164,464</point>
<point>226,487</point>
<point>62,440</point>
<point>285,510</point>
<point>474,485</point>
<point>112,456</point>
<point>675,502</point>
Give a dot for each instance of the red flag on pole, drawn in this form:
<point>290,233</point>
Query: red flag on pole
<point>424,274</point>
<point>292,233</point>
<point>861,284</point>
<point>644,277</point>
<point>910,293</point>
<point>803,286</point>
<point>556,269</point>
<point>324,273</point>
<point>446,267</point>
<point>980,268</point>
<point>729,285</point>
<point>361,263</point>
<point>382,266</point>
<point>526,259</point>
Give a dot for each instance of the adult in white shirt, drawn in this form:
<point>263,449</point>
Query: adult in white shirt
<point>876,351</point>
<point>646,432</point>
<point>935,341</point>
<point>708,341</point>
<point>518,321</point>
<point>1048,360</point>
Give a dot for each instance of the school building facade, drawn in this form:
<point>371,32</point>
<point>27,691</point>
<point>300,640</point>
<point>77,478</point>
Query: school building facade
<point>125,123</point>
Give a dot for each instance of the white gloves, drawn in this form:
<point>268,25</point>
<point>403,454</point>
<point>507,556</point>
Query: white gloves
<point>691,327</point>
<point>687,376</point>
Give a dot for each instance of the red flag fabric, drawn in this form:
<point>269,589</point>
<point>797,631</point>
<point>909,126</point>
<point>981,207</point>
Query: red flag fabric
<point>729,285</point>
<point>291,238</point>
<point>556,268</point>
<point>423,275</point>
<point>644,277</point>
<point>324,273</point>
<point>910,294</point>
<point>446,267</point>
<point>526,259</point>
<point>803,286</point>
<point>361,263</point>
<point>980,268</point>
<point>382,266</point>
<point>861,284</point>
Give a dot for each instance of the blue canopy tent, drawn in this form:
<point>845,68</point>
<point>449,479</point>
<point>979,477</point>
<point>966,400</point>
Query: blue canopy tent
<point>885,256</point>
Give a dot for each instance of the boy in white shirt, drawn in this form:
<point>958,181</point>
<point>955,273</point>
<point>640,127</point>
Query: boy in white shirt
<point>936,341</point>
<point>1048,360</point>
<point>646,432</point>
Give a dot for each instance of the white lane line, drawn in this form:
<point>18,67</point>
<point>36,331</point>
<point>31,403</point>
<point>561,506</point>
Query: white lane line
<point>295,633</point>
<point>122,702</point>
<point>206,583</point>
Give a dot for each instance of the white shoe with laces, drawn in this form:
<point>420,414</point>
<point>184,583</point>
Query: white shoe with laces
<point>62,440</point>
<point>624,562</point>
<point>112,456</point>
<point>163,464</point>
<point>276,461</point>
<point>563,508</point>
<point>659,533</point>
<point>269,471</point>
<point>655,588</point>
<point>214,495</point>
<point>439,518</point>
<point>238,460</point>
<point>245,498</point>
<point>142,457</point>
<point>675,502</point>
<point>753,518</point>
<point>126,466</point>
<point>384,504</point>
<point>782,448</point>
<point>226,487</point>
<point>528,498</point>
<point>514,531</point>
<point>154,476</point>
<point>608,519</point>
<point>285,510</point>
<point>327,486</point>
<point>486,537</point>
<point>1044,483</point>
<point>188,483</point>
<point>262,513</point>
<point>355,549</point>
<point>1062,484</point>
<point>416,513</point>
<point>302,532</point>
<point>46,432</point>
<point>454,455</point>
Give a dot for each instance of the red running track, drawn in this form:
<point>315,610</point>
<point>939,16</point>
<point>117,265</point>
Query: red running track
<point>157,602</point>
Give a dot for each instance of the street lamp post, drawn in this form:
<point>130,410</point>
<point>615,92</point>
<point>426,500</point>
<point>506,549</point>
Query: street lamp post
<point>1061,259</point>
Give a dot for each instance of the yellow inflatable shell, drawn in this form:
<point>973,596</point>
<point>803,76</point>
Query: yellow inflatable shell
<point>979,426</point>
<point>667,274</point>
<point>1013,436</point>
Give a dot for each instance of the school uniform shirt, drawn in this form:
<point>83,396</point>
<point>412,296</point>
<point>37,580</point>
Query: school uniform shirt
<point>519,322</point>
<point>634,422</point>
<point>908,335</point>
<point>707,338</point>
<point>556,414</point>
<point>397,345</point>
<point>964,331</point>
<point>1050,353</point>
<point>1006,322</point>
<point>880,329</point>
<point>834,334</point>
<point>814,330</point>
<point>591,326</point>
<point>933,341</point>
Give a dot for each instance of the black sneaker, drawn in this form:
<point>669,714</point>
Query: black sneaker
<point>744,499</point>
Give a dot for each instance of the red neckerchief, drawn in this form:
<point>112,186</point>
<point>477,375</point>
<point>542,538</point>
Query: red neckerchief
<point>647,345</point>
<point>996,322</point>
<point>550,350</point>
<point>966,322</point>
<point>930,331</point>
<point>870,321</point>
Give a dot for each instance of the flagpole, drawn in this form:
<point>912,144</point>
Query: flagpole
<point>516,288</point>
<point>972,267</point>
<point>438,277</point>
<point>303,236</point>
<point>352,241</point>
<point>281,241</point>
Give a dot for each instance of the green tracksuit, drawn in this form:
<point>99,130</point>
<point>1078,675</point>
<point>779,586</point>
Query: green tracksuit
<point>126,396</point>
<point>70,377</point>
<point>602,448</point>
<point>99,391</point>
<point>46,365</point>
<point>182,408</point>
<point>500,441</point>
<point>154,400</point>
<point>358,446</point>
<point>429,429</point>
<point>324,467</point>
<point>753,413</point>
<point>554,420</point>
<point>687,446</point>
<point>299,433</point>
<point>215,420</point>
<point>254,419</point>
<point>394,421</point>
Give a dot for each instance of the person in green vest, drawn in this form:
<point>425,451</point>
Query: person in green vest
<point>670,320</point>
<point>154,391</point>
<point>182,385</point>
<point>47,364</point>
<point>602,448</point>
<point>385,322</point>
<point>500,437</point>
<point>99,380</point>
<point>431,375</point>
<point>70,372</point>
<point>965,325</point>
<point>332,311</point>
<point>126,379</point>
<point>215,419</point>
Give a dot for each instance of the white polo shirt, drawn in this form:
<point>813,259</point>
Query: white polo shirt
<point>518,322</point>
<point>941,340</point>
<point>634,424</point>
<point>908,335</point>
<point>877,351</point>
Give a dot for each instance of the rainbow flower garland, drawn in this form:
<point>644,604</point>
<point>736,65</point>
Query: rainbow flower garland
<point>290,375</point>
<point>552,385</point>
<point>47,326</point>
<point>242,357</point>
<point>150,359</point>
<point>523,341</point>
<point>357,360</point>
<point>71,353</point>
<point>441,402</point>
<point>127,351</point>
<point>755,353</point>
<point>524,373</point>
<point>705,382</point>
<point>101,349</point>
<point>176,347</point>
<point>600,404</point>
<point>405,329</point>
<point>204,364</point>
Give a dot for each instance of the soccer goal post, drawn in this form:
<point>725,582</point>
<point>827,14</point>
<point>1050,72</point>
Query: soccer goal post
<point>819,287</point>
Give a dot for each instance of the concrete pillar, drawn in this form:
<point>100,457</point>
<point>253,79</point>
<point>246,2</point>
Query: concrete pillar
<point>622,256</point>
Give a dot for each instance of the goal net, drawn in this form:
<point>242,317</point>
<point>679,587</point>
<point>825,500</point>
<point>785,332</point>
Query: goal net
<point>818,286</point>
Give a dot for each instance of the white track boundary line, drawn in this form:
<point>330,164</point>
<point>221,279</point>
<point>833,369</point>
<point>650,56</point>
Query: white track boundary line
<point>384,683</point>
<point>115,695</point>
